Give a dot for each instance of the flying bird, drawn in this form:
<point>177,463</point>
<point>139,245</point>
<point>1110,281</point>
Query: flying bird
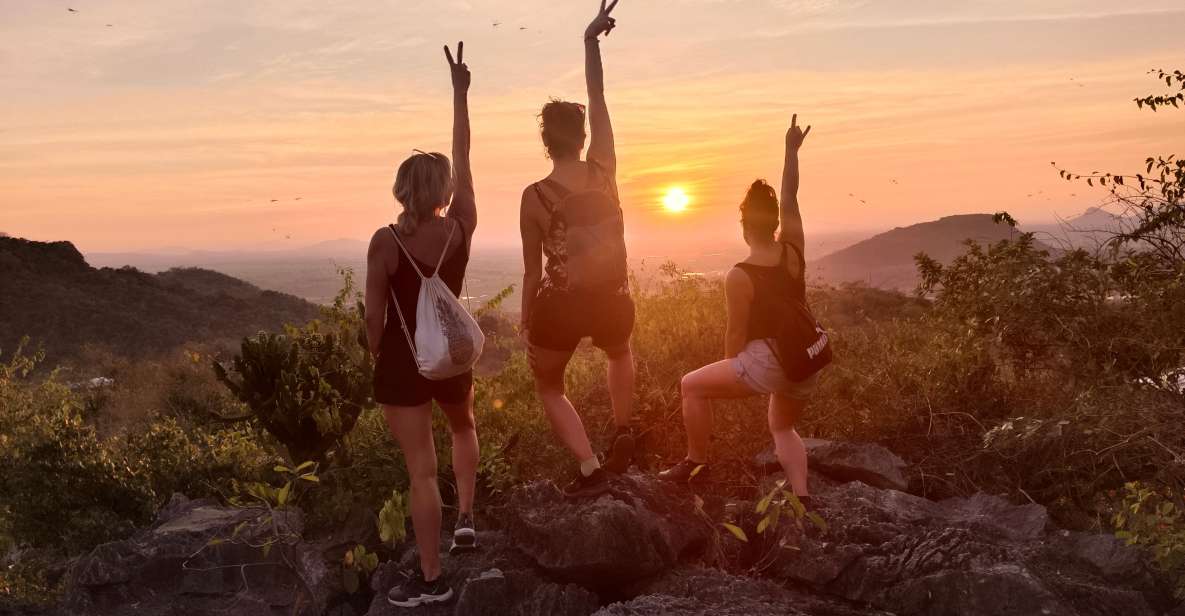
<point>71,10</point>
<point>298,199</point>
<point>274,200</point>
<point>522,27</point>
<point>497,23</point>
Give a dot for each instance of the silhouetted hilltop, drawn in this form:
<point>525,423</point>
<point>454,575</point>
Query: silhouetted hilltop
<point>886,260</point>
<point>50,293</point>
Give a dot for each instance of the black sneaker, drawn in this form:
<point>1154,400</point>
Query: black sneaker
<point>464,537</point>
<point>685,472</point>
<point>595,484</point>
<point>621,453</point>
<point>416,591</point>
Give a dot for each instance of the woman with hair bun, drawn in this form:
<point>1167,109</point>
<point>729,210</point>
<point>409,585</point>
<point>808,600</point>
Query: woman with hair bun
<point>774,270</point>
<point>432,234</point>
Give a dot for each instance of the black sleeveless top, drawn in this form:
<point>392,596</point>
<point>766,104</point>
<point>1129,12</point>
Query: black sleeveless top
<point>773,286</point>
<point>406,285</point>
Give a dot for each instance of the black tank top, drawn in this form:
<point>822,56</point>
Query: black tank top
<point>773,286</point>
<point>406,285</point>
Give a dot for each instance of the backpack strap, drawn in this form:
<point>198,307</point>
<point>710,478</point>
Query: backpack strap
<point>448,242</point>
<point>543,200</point>
<point>405,251</point>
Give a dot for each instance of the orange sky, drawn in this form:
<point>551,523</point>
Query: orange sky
<point>179,124</point>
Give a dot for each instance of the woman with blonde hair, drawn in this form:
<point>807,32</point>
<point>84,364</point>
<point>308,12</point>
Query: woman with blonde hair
<point>432,235</point>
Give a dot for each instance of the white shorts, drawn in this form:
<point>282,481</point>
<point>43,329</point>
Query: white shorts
<point>757,367</point>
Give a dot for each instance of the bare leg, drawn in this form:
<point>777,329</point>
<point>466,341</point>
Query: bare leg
<point>716,380</point>
<point>466,452</point>
<point>621,384</point>
<point>412,429</point>
<point>791,453</point>
<point>549,369</point>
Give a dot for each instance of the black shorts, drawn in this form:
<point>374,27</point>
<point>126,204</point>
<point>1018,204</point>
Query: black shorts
<point>398,382</point>
<point>559,321</point>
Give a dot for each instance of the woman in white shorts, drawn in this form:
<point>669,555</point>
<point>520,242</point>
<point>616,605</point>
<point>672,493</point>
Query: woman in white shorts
<point>775,268</point>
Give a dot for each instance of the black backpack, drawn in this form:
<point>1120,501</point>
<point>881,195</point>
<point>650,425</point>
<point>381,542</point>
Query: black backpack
<point>800,342</point>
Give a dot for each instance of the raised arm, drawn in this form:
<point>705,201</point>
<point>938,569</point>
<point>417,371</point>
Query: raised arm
<point>600,147</point>
<point>464,205</point>
<point>791,228</point>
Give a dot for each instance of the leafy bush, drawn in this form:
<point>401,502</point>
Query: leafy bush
<point>1156,520</point>
<point>307,386</point>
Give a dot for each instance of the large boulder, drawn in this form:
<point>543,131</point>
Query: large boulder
<point>640,528</point>
<point>865,462</point>
<point>973,556</point>
<point>209,558</point>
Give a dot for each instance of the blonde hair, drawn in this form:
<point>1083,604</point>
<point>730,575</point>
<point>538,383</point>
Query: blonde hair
<point>423,183</point>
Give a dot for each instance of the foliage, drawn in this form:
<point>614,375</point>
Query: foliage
<point>295,483</point>
<point>357,565</point>
<point>62,486</point>
<point>1155,519</point>
<point>392,519</point>
<point>307,386</point>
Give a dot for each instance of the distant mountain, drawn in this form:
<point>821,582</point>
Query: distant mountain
<point>1088,230</point>
<point>50,293</point>
<point>886,260</point>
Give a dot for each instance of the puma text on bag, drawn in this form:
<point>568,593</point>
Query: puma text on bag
<point>448,341</point>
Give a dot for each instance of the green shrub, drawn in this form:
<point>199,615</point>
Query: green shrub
<point>1155,519</point>
<point>307,386</point>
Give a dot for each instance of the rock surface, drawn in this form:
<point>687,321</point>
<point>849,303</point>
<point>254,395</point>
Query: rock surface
<point>977,555</point>
<point>641,528</point>
<point>865,462</point>
<point>643,548</point>
<point>192,556</point>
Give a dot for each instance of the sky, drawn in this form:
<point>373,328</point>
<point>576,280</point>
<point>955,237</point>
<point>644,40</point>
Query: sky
<point>181,122</point>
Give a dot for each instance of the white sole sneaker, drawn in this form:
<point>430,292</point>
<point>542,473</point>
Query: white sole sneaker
<point>464,540</point>
<point>422,599</point>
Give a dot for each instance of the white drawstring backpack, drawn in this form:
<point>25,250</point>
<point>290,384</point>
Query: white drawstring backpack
<point>448,341</point>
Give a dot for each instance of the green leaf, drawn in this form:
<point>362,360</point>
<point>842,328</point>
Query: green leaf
<point>817,520</point>
<point>282,495</point>
<point>280,468</point>
<point>763,524</point>
<point>311,477</point>
<point>697,470</point>
<point>305,465</point>
<point>763,504</point>
<point>736,531</point>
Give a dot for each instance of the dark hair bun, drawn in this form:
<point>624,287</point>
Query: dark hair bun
<point>759,210</point>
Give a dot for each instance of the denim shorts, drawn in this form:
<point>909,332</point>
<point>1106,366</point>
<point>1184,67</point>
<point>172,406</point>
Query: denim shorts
<point>757,367</point>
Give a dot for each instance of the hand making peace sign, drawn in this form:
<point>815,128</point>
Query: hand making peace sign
<point>460,70</point>
<point>602,22</point>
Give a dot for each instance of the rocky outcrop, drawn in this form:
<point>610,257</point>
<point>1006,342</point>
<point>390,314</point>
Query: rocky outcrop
<point>971,556</point>
<point>644,547</point>
<point>865,462</point>
<point>209,558</point>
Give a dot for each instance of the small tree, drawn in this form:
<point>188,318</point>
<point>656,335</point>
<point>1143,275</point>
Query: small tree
<point>308,385</point>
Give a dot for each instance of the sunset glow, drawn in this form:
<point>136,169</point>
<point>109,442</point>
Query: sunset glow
<point>675,200</point>
<point>198,125</point>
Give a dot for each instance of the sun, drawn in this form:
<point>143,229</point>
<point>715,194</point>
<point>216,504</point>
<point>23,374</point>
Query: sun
<point>675,200</point>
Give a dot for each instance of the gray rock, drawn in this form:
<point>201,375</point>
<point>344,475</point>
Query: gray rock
<point>495,580</point>
<point>639,529</point>
<point>693,591</point>
<point>973,556</point>
<point>865,462</point>
<point>189,557</point>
